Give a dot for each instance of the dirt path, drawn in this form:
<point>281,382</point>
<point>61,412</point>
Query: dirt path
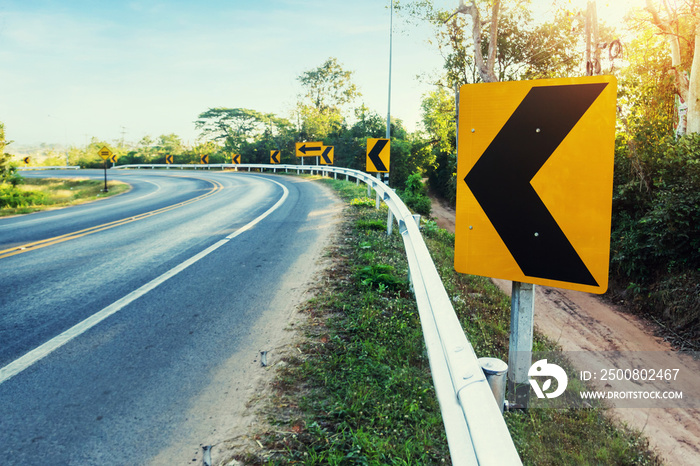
<point>582,322</point>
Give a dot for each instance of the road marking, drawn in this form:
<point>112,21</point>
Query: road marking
<point>105,226</point>
<point>38,353</point>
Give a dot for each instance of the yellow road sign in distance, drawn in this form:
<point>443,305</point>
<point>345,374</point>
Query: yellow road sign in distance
<point>105,153</point>
<point>534,181</point>
<point>114,158</point>
<point>308,149</point>
<point>169,159</point>
<point>378,155</point>
<point>236,159</point>
<point>327,154</point>
<point>274,156</point>
<point>204,159</point>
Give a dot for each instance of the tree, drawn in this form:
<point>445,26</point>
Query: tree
<point>484,67</point>
<point>438,111</point>
<point>507,45</point>
<point>328,87</point>
<point>680,24</point>
<point>8,170</point>
<point>236,128</point>
<point>169,144</point>
<point>326,90</point>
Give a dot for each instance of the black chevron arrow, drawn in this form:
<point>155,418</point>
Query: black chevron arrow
<point>275,156</point>
<point>326,155</point>
<point>304,149</point>
<point>237,158</point>
<point>500,181</point>
<point>374,155</point>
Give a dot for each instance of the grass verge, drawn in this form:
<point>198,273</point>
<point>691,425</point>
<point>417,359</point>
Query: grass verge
<point>358,390</point>
<point>35,194</point>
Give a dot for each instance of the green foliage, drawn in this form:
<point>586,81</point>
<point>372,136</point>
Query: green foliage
<point>13,197</point>
<point>379,276</point>
<point>371,225</point>
<point>415,196</point>
<point>657,210</point>
<point>362,202</point>
<point>35,194</point>
<point>655,236</point>
<point>328,87</point>
<point>8,171</point>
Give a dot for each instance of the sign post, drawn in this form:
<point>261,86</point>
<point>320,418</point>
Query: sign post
<point>522,321</point>
<point>534,193</point>
<point>105,153</point>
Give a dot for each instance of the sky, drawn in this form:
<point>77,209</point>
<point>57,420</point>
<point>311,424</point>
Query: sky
<point>71,70</point>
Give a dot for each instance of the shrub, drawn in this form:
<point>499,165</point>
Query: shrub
<point>13,197</point>
<point>415,195</point>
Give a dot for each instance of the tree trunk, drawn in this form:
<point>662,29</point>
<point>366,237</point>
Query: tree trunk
<point>486,68</point>
<point>693,95</point>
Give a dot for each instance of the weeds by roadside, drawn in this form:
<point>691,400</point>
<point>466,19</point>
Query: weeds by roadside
<point>34,194</point>
<point>360,391</point>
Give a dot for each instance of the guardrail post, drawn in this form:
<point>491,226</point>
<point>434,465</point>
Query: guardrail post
<point>495,372</point>
<point>389,223</point>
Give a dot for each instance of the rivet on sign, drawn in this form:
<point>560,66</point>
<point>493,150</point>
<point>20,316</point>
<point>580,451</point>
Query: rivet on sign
<point>473,130</point>
<point>537,234</point>
<point>537,130</point>
<point>471,227</point>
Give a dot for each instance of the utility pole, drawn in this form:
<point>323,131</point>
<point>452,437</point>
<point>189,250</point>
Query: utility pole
<point>391,38</point>
<point>592,55</point>
<point>388,106</point>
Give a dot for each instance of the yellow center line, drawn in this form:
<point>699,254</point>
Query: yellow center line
<point>105,226</point>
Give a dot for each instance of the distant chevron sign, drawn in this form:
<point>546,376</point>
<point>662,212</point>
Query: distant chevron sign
<point>534,190</point>
<point>327,155</point>
<point>274,156</point>
<point>378,155</point>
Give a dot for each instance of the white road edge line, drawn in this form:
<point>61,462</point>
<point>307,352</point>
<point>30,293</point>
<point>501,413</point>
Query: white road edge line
<point>38,353</point>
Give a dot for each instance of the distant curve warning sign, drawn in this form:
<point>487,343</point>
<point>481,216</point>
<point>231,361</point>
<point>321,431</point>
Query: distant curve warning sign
<point>105,153</point>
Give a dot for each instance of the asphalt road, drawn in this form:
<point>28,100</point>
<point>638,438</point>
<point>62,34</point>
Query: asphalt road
<point>116,316</point>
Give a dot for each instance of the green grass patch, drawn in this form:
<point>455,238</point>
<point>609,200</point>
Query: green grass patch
<point>35,194</point>
<point>359,391</point>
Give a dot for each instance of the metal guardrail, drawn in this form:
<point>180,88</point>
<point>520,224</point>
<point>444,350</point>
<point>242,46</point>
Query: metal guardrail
<point>53,167</point>
<point>475,428</point>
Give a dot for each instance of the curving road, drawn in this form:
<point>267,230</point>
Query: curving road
<point>116,317</point>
